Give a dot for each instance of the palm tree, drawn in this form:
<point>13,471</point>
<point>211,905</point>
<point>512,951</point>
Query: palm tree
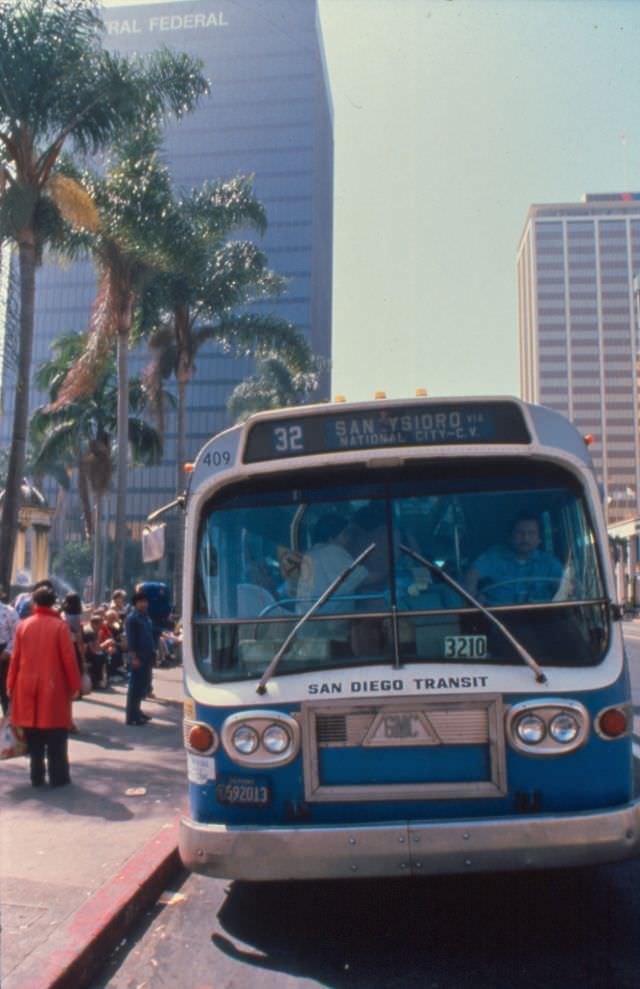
<point>273,386</point>
<point>129,248</point>
<point>59,87</point>
<point>195,302</point>
<point>79,435</point>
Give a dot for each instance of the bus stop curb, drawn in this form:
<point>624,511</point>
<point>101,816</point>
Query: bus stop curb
<point>86,939</point>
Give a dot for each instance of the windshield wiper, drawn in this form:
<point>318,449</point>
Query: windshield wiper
<point>520,649</point>
<point>326,594</point>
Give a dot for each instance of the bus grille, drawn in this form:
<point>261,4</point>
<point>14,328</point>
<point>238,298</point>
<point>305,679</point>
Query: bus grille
<point>439,748</point>
<point>444,726</point>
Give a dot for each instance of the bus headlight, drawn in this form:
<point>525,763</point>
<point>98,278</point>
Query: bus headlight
<point>550,727</point>
<point>276,739</point>
<point>245,740</point>
<point>564,728</point>
<point>261,738</point>
<point>531,729</point>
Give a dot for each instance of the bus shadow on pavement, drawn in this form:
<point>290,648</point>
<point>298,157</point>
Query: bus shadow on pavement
<point>438,930</point>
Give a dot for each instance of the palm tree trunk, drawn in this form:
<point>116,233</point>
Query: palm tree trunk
<point>181,455</point>
<point>85,499</point>
<point>98,551</point>
<point>11,506</point>
<point>122,459</point>
<point>60,519</point>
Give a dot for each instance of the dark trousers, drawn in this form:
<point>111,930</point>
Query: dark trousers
<point>137,688</point>
<point>52,743</point>
<point>4,697</point>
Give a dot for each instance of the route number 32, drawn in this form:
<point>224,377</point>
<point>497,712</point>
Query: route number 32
<point>288,439</point>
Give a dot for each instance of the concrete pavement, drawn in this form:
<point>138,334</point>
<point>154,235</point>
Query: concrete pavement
<point>78,863</point>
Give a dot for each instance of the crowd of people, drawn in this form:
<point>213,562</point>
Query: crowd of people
<point>53,652</point>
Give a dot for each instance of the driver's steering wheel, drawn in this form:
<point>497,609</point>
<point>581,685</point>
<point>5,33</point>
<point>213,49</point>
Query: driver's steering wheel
<point>521,580</point>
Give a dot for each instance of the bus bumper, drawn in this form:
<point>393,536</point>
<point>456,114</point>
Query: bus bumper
<point>411,848</point>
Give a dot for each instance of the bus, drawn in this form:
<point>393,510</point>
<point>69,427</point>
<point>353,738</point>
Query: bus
<point>402,649</point>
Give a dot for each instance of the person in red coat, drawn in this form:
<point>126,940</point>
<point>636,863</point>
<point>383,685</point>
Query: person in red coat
<point>43,680</point>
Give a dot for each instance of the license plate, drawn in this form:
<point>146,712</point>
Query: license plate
<point>465,646</point>
<point>248,792</point>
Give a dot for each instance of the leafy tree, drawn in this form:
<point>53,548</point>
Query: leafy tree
<point>79,435</point>
<point>75,565</point>
<point>58,87</point>
<point>273,386</point>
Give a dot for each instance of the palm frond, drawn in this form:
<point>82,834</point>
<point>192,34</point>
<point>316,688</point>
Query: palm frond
<point>74,202</point>
<point>81,378</point>
<point>59,447</point>
<point>260,336</point>
<point>146,443</point>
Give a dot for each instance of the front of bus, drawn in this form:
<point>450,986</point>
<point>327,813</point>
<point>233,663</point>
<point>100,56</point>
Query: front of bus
<point>401,653</point>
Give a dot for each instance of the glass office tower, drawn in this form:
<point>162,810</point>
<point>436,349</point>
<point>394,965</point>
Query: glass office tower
<point>269,115</point>
<point>578,331</point>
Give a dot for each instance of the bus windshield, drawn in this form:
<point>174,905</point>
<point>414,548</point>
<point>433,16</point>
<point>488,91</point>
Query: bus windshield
<point>515,534</point>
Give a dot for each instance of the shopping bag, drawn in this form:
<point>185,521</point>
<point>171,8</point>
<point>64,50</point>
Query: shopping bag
<point>12,740</point>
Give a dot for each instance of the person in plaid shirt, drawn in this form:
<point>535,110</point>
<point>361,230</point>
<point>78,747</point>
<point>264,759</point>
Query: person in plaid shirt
<point>8,622</point>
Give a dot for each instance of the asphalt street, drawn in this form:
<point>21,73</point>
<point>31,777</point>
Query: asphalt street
<point>531,930</point>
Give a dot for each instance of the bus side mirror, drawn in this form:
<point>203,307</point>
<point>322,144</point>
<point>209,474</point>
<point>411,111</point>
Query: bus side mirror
<point>153,543</point>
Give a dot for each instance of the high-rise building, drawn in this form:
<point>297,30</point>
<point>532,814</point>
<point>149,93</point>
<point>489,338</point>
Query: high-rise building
<point>269,115</point>
<point>578,329</point>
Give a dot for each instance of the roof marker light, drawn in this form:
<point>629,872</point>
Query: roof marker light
<point>588,439</point>
<point>380,394</point>
<point>188,468</point>
<point>340,398</point>
<point>421,392</point>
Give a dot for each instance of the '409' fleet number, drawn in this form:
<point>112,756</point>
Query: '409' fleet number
<point>465,646</point>
<point>217,458</point>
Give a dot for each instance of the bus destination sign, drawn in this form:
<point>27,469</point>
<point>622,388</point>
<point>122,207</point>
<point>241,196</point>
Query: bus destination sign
<point>441,424</point>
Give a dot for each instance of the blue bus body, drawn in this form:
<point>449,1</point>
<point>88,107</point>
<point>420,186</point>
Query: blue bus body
<point>401,732</point>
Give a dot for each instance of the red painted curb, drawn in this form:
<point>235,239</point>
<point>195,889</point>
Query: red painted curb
<point>97,927</point>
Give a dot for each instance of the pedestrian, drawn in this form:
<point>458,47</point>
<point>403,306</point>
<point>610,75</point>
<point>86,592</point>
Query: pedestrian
<point>71,611</point>
<point>8,624</point>
<point>114,644</point>
<point>43,680</point>
<point>119,603</point>
<point>96,657</point>
<point>72,614</point>
<point>141,650</point>
<point>159,609</point>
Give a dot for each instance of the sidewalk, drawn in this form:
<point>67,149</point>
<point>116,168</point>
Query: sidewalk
<point>79,862</point>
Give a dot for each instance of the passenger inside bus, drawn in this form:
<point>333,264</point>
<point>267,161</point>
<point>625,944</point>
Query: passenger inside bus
<point>516,572</point>
<point>369,525</point>
<point>326,559</point>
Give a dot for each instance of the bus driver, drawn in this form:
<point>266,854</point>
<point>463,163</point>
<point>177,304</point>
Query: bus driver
<point>516,573</point>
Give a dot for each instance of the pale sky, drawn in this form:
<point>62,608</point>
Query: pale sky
<point>451,118</point>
